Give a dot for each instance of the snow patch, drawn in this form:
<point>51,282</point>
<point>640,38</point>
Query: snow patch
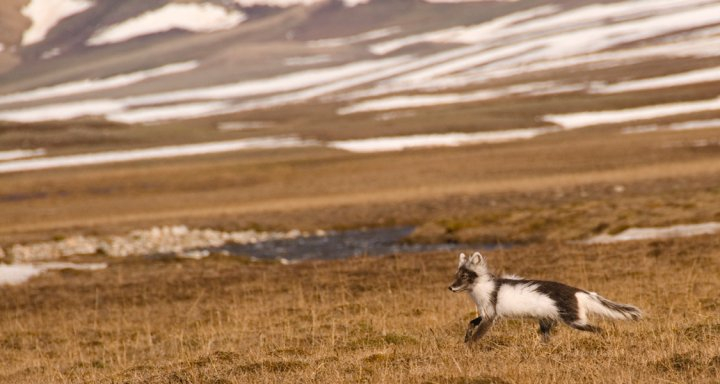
<point>275,3</point>
<point>487,30</point>
<point>705,47</point>
<point>167,112</point>
<point>121,110</point>
<point>569,26</point>
<point>384,69</point>
<point>468,1</point>
<point>45,14</point>
<point>291,3</point>
<point>204,17</point>
<point>557,43</point>
<point>307,60</point>
<point>21,153</point>
<point>49,54</point>
<point>14,274</point>
<point>699,76</point>
<point>586,119</point>
<point>354,39</point>
<point>416,101</point>
<point>657,233</point>
<point>388,116</point>
<point>63,111</point>
<point>283,83</point>
<point>353,3</point>
<point>702,143</point>
<point>399,143</point>
<point>92,85</point>
<point>152,153</point>
<point>242,125</point>
<point>545,38</point>
<point>683,126</point>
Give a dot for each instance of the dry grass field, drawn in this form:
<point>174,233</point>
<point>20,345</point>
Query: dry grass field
<point>388,319</point>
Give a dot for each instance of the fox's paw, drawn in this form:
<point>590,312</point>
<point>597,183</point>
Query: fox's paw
<point>476,329</point>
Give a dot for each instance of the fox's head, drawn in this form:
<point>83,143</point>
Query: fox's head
<point>468,271</point>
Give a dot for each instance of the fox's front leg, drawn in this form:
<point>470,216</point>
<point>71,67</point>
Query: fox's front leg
<point>472,325</point>
<point>477,328</point>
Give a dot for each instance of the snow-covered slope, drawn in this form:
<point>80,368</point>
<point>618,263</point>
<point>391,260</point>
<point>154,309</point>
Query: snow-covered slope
<point>127,63</point>
<point>190,17</point>
<point>45,14</point>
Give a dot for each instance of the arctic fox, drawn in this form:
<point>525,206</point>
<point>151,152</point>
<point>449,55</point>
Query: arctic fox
<point>547,301</point>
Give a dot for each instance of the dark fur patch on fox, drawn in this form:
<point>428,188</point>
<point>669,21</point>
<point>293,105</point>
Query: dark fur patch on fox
<point>463,270</point>
<point>463,278</point>
<point>564,297</point>
<point>494,293</point>
<point>477,328</point>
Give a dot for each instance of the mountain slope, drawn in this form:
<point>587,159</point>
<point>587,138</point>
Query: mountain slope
<point>367,65</point>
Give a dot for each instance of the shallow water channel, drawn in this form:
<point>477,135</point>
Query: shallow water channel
<point>340,245</point>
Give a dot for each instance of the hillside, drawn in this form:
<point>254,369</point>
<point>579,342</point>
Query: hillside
<point>213,61</point>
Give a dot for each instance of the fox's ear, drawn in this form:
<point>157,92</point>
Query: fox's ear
<point>477,259</point>
<point>463,260</point>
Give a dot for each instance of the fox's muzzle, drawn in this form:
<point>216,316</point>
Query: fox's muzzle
<point>464,279</point>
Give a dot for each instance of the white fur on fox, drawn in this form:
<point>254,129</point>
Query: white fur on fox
<point>481,295</point>
<point>591,303</point>
<point>524,300</point>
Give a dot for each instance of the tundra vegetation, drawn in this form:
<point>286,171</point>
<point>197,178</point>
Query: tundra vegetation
<point>373,319</point>
<point>386,319</point>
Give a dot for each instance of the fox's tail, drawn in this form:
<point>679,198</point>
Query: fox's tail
<point>601,306</point>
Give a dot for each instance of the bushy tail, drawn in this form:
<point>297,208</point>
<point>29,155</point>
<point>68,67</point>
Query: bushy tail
<point>601,306</point>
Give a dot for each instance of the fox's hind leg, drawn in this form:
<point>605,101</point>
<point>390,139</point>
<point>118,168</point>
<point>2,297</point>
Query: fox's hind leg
<point>581,326</point>
<point>546,325</point>
<point>577,318</point>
